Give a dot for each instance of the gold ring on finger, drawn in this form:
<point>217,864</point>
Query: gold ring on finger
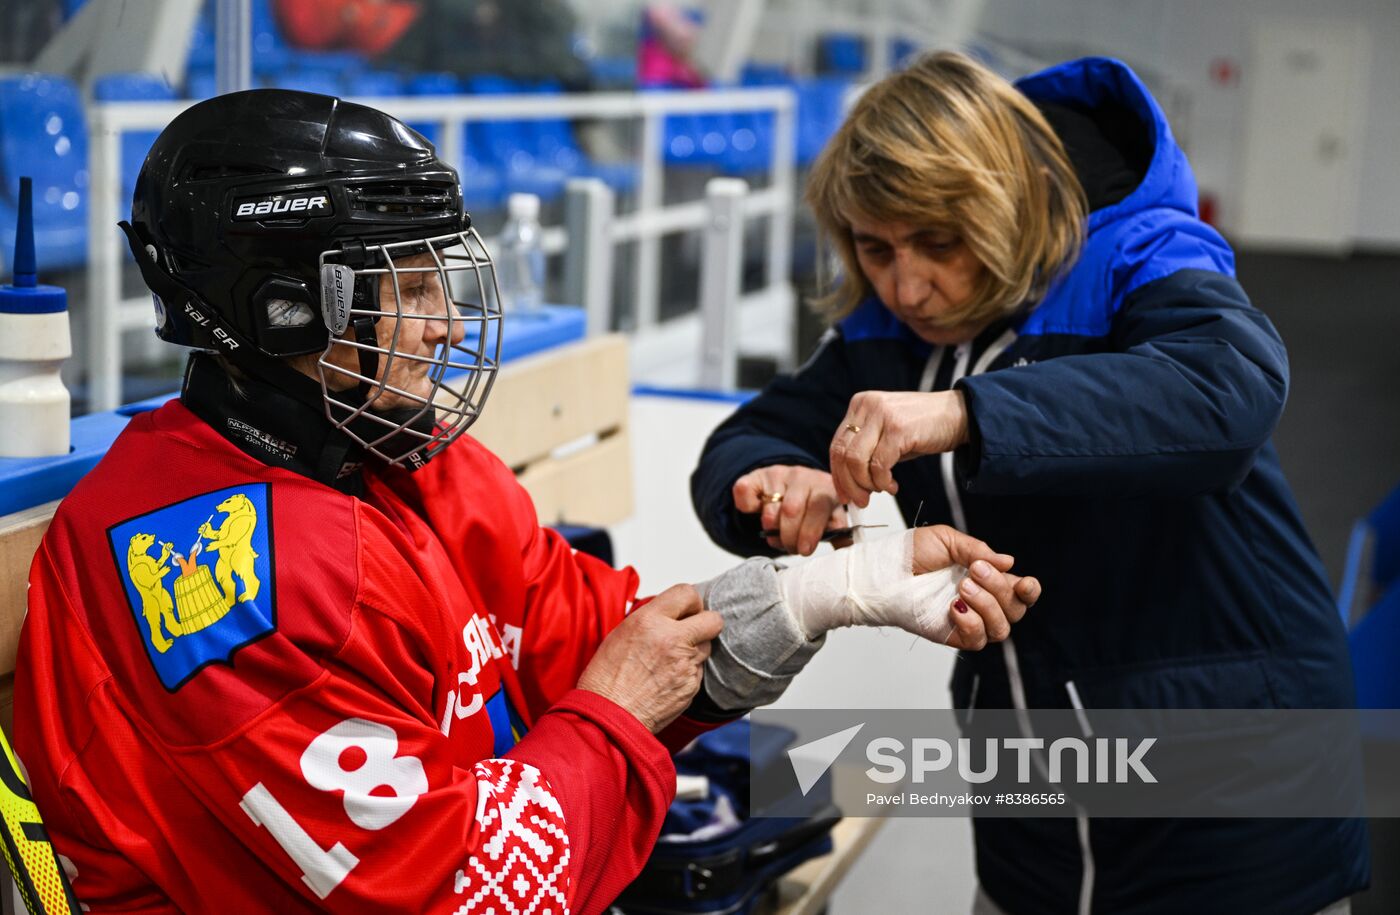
<point>852,427</point>
<point>772,498</point>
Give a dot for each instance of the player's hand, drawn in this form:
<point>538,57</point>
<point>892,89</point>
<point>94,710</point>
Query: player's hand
<point>798,502</point>
<point>882,428</point>
<point>652,664</point>
<point>990,599</point>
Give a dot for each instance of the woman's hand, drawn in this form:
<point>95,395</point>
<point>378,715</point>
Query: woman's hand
<point>798,502</point>
<point>990,599</point>
<point>882,428</point>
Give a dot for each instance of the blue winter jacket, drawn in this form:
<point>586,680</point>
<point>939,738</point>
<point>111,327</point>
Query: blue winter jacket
<point>1121,451</point>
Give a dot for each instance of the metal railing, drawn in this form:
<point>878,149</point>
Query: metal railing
<point>109,313</point>
<point>666,355</point>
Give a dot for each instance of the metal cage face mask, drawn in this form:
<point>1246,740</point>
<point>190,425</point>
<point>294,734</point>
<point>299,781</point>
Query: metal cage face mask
<point>415,340</point>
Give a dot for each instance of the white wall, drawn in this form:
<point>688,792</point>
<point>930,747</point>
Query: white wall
<point>1378,217</point>
<point>1178,40</point>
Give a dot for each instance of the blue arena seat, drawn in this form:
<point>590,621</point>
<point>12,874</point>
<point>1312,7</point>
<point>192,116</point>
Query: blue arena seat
<point>319,81</point>
<point>758,156</point>
<point>133,87</point>
<point>557,145</point>
<point>270,51</point>
<point>903,51</point>
<point>1384,522</point>
<point>343,64</point>
<point>750,143</point>
<point>716,133</point>
<point>200,83</point>
<point>680,140</point>
<point>552,139</point>
<point>695,140</point>
<point>482,187</point>
<point>374,84</point>
<point>1375,653</point>
<point>203,44</point>
<point>1369,601</point>
<point>750,140</point>
<point>270,54</point>
<point>431,84</point>
<point>755,74</point>
<point>819,114</point>
<point>511,145</point>
<point>841,53</point>
<point>43,135</point>
<point>733,143</point>
<point>1373,557</point>
<point>613,74</point>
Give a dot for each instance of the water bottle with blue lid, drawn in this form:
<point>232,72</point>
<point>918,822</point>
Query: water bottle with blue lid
<point>34,342</point>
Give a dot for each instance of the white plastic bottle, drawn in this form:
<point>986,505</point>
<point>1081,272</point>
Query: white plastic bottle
<point>520,267</point>
<point>34,342</point>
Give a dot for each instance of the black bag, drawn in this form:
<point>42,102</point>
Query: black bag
<point>729,873</point>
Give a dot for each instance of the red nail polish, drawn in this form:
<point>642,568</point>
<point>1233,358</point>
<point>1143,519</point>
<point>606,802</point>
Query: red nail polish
<point>961,606</point>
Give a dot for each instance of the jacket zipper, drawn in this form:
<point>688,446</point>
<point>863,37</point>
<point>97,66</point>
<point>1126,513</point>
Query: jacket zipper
<point>1013,662</point>
<point>961,356</point>
<point>1081,820</point>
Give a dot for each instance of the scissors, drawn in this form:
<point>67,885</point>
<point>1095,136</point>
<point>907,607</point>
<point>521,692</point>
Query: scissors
<point>836,533</point>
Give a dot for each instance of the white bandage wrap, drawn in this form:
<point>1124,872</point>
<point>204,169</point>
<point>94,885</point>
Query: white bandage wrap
<point>871,584</point>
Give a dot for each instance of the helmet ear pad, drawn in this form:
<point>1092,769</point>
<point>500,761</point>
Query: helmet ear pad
<point>313,333</point>
<point>287,339</point>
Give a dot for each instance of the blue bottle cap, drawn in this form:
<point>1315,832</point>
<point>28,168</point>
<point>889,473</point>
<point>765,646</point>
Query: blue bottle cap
<point>27,296</point>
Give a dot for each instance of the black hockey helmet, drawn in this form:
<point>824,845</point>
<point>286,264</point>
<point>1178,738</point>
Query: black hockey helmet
<point>263,222</point>
<point>242,193</point>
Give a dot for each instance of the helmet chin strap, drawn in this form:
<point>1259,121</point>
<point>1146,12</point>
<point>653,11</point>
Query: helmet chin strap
<point>393,446</point>
<point>368,340</point>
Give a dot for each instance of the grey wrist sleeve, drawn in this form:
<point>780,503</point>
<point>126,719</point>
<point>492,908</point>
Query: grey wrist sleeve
<point>761,648</point>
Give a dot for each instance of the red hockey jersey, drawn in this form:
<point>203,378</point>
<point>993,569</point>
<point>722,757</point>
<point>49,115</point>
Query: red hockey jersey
<point>242,690</point>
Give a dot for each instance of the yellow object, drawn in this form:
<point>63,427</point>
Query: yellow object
<point>33,862</point>
<point>146,574</point>
<point>233,541</point>
<point>198,600</point>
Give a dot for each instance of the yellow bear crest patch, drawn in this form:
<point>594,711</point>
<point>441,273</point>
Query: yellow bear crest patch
<point>198,578</point>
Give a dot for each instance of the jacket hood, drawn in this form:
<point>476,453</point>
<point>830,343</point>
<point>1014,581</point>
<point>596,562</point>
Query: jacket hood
<point>1098,82</point>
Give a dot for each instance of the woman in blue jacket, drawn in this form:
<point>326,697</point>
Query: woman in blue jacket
<point>1037,340</point>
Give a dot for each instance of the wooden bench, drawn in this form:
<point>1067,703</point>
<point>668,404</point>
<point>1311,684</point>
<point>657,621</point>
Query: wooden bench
<point>807,888</point>
<point>558,418</point>
<point>19,538</point>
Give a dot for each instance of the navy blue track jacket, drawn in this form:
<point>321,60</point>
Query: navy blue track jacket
<point>1121,451</point>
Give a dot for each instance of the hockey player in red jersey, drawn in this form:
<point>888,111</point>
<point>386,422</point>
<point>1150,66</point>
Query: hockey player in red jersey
<point>286,650</point>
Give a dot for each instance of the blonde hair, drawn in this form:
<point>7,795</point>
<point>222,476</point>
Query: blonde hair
<point>948,144</point>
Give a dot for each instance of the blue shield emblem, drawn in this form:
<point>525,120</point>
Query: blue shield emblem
<point>198,578</point>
